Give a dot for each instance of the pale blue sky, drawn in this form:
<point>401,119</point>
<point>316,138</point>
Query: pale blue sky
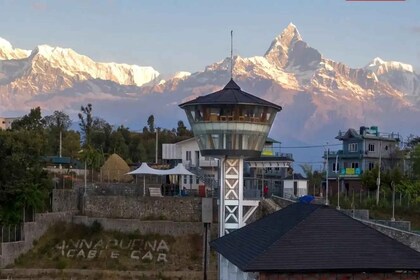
<point>188,35</point>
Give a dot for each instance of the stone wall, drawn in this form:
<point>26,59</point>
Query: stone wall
<point>405,237</point>
<point>31,231</point>
<point>362,214</point>
<point>402,225</point>
<point>64,200</point>
<point>281,201</point>
<point>77,274</point>
<point>178,209</point>
<point>144,227</point>
<point>334,275</point>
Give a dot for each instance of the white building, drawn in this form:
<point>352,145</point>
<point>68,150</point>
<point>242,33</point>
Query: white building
<point>6,123</point>
<point>295,186</point>
<point>272,165</point>
<point>188,153</point>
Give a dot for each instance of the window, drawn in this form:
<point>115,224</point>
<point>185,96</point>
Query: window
<point>197,180</point>
<point>191,180</point>
<point>371,147</point>
<point>295,188</point>
<point>188,155</point>
<point>354,165</point>
<point>353,147</point>
<point>185,179</point>
<point>371,165</point>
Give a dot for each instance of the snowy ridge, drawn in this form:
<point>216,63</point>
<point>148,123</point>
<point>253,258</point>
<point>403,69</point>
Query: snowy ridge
<point>8,52</point>
<point>379,66</point>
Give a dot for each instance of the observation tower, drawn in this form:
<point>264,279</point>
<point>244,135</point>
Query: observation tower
<point>230,125</point>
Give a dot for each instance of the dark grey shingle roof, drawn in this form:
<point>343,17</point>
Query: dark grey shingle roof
<point>314,238</point>
<point>231,94</point>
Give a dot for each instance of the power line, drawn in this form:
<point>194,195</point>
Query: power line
<point>310,146</point>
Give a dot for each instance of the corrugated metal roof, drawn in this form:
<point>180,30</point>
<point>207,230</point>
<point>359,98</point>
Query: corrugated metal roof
<point>230,94</point>
<point>314,238</point>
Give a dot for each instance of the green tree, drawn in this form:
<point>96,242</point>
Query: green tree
<point>314,178</point>
<point>31,121</point>
<point>369,178</point>
<point>151,123</point>
<point>415,158</point>
<point>56,124</point>
<point>86,124</point>
<point>23,182</point>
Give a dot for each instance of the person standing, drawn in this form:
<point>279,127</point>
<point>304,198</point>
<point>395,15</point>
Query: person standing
<point>265,191</point>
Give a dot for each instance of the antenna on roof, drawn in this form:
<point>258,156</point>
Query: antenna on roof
<point>231,54</point>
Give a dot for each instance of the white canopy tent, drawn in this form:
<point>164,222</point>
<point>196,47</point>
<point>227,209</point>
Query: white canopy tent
<point>178,170</point>
<point>146,169</point>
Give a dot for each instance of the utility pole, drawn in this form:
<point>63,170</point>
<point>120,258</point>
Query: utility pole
<point>393,201</point>
<point>326,175</point>
<point>378,180</point>
<point>157,148</point>
<point>338,182</point>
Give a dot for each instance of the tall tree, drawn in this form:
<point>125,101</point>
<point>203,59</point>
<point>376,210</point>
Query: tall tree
<point>151,123</point>
<point>57,125</point>
<point>86,124</point>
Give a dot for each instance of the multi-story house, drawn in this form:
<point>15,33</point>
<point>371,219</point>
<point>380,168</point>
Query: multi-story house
<point>362,150</point>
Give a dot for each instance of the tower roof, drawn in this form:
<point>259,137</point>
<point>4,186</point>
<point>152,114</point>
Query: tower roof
<point>229,95</point>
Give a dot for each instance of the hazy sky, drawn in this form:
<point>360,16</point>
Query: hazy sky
<point>188,35</point>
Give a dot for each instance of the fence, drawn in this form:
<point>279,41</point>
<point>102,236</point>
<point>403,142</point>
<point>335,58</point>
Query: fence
<point>11,233</point>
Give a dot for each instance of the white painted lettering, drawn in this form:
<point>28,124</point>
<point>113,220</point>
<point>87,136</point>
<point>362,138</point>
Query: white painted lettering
<point>163,246</point>
<point>73,243</point>
<point>127,246</point>
<point>135,255</point>
<point>71,253</point>
<point>148,256</point>
<point>85,243</point>
<point>161,257</point>
<point>112,243</point>
<point>91,254</point>
<point>99,244</point>
<point>81,254</point>
<point>133,243</point>
<point>151,245</point>
<point>115,254</point>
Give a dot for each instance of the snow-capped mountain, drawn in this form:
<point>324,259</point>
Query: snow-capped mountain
<point>8,52</point>
<point>319,96</point>
<point>50,69</point>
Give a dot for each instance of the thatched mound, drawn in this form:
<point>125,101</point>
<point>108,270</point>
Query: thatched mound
<point>115,169</point>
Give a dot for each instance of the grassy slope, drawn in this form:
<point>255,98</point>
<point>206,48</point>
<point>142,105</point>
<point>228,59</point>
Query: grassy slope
<point>185,253</point>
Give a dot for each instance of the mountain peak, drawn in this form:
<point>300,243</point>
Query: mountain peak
<point>279,49</point>
<point>380,66</point>
<point>4,44</point>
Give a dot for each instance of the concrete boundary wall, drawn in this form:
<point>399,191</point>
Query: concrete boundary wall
<point>31,231</point>
<point>101,274</point>
<point>144,227</point>
<point>408,238</point>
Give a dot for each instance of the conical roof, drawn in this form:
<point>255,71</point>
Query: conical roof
<point>230,94</point>
<point>115,169</point>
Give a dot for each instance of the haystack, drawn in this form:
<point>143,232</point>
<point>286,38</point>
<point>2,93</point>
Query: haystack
<point>115,169</point>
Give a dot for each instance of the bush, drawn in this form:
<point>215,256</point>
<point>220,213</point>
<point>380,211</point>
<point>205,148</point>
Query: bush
<point>95,228</point>
<point>61,264</point>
